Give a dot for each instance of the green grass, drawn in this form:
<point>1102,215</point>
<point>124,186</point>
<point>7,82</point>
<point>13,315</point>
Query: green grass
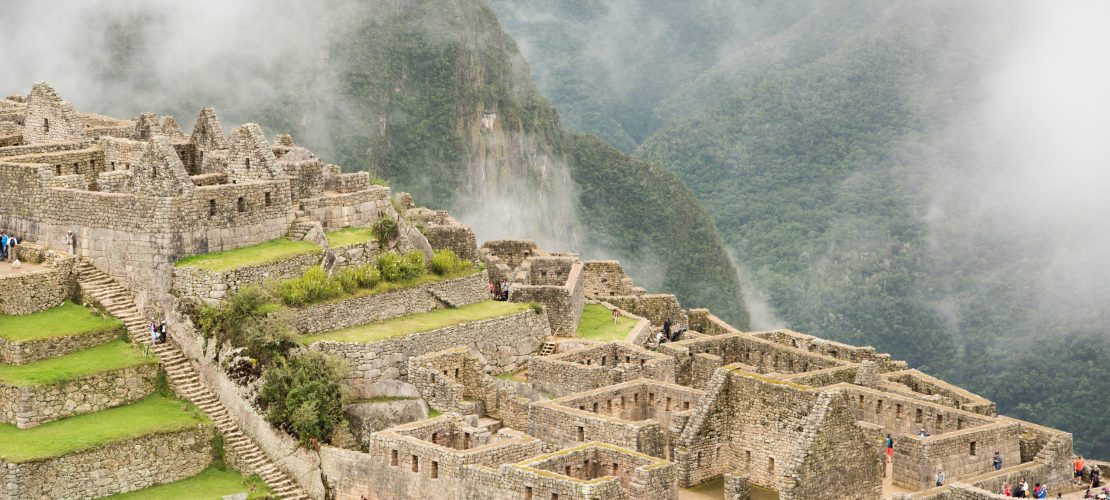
<point>152,415</point>
<point>210,484</point>
<point>66,319</point>
<point>262,253</point>
<point>414,323</point>
<point>389,286</point>
<point>597,324</point>
<point>350,236</point>
<point>111,356</point>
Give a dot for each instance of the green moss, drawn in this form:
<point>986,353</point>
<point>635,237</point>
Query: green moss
<point>111,356</point>
<point>212,483</point>
<point>262,253</point>
<point>63,320</point>
<point>415,323</point>
<point>597,324</point>
<point>153,415</point>
<point>350,236</point>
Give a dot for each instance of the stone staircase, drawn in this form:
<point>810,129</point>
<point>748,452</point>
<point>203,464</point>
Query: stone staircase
<point>300,228</point>
<point>120,303</point>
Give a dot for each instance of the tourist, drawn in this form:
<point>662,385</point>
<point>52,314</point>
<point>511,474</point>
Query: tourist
<point>997,461</point>
<point>922,433</point>
<point>1079,469</point>
<point>1007,491</point>
<point>162,332</point>
<point>1024,488</point>
<point>889,448</point>
<point>667,328</point>
<point>1040,491</point>
<point>1096,479</point>
<point>492,294</point>
<point>153,332</point>
<point>12,242</point>
<point>71,242</point>
<point>940,477</point>
<point>616,314</point>
<point>4,245</point>
<point>505,287</point>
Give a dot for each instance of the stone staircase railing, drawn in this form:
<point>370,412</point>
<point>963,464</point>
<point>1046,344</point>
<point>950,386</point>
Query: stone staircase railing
<point>120,303</point>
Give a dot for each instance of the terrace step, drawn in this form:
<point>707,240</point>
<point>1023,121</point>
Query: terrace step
<point>182,376</point>
<point>300,228</point>
<point>491,424</point>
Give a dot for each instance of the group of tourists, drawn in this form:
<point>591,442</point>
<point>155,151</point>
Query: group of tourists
<point>1021,490</point>
<point>1093,480</point>
<point>499,290</point>
<point>667,334</point>
<point>157,332</point>
<point>8,242</point>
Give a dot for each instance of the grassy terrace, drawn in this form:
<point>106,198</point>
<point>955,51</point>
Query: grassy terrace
<point>388,286</point>
<point>211,484</point>
<point>64,320</point>
<point>415,323</point>
<point>153,415</point>
<point>350,236</point>
<point>597,324</point>
<point>107,357</point>
<point>262,253</point>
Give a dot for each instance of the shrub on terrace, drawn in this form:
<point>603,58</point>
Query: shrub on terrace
<point>386,229</point>
<point>313,286</point>
<point>243,321</point>
<point>396,268</point>
<point>304,395</point>
<point>445,262</point>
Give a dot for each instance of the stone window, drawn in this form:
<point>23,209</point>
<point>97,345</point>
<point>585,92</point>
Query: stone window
<point>668,403</point>
<point>920,416</point>
<point>898,410</point>
<point>581,433</point>
<point>268,200</point>
<point>940,422</point>
<point>415,463</point>
<point>567,472</point>
<point>748,458</point>
<point>879,406</point>
<point>113,165</point>
<point>603,358</point>
<point>861,401</point>
<point>627,359</point>
<point>595,407</point>
<point>685,405</point>
<point>456,373</point>
<point>211,208</point>
<point>959,423</point>
<point>241,203</point>
<point>636,398</point>
<point>616,468</point>
<point>393,458</point>
<point>57,170</point>
<point>609,405</point>
<point>622,402</point>
<point>651,398</point>
<point>971,450</point>
<point>248,163</point>
<point>770,465</point>
<point>435,469</point>
<point>554,496</point>
<point>527,493</point>
<point>435,438</point>
<point>46,125</point>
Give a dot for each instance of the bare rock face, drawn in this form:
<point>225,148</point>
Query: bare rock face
<point>372,416</point>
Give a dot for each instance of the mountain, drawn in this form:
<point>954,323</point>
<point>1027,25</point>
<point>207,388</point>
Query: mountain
<point>847,155</point>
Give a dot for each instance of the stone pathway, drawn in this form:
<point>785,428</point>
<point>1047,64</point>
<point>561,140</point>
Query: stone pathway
<point>118,301</point>
<point>6,268</point>
<point>889,489</point>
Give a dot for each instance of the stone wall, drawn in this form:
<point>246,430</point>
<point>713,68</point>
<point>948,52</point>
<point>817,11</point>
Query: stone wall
<point>119,467</point>
<point>960,454</point>
<point>562,301</point>
<point>29,351</point>
<point>413,300</point>
<point>598,366</point>
<point>956,396</point>
<point>34,291</point>
<point>764,355</point>
<point>606,278</point>
<point>29,406</point>
<point>835,350</point>
<point>636,415</point>
<point>588,471</point>
<point>404,463</point>
<point>210,286</point>
<point>443,231</point>
<point>349,209</point>
<point>907,415</point>
<point>506,343</point>
<point>657,308</point>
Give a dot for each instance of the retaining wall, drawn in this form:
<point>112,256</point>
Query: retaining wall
<point>28,406</point>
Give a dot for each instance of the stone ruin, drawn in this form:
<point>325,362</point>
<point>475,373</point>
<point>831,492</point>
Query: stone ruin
<point>528,410</point>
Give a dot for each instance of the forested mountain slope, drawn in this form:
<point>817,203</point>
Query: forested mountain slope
<point>841,151</point>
